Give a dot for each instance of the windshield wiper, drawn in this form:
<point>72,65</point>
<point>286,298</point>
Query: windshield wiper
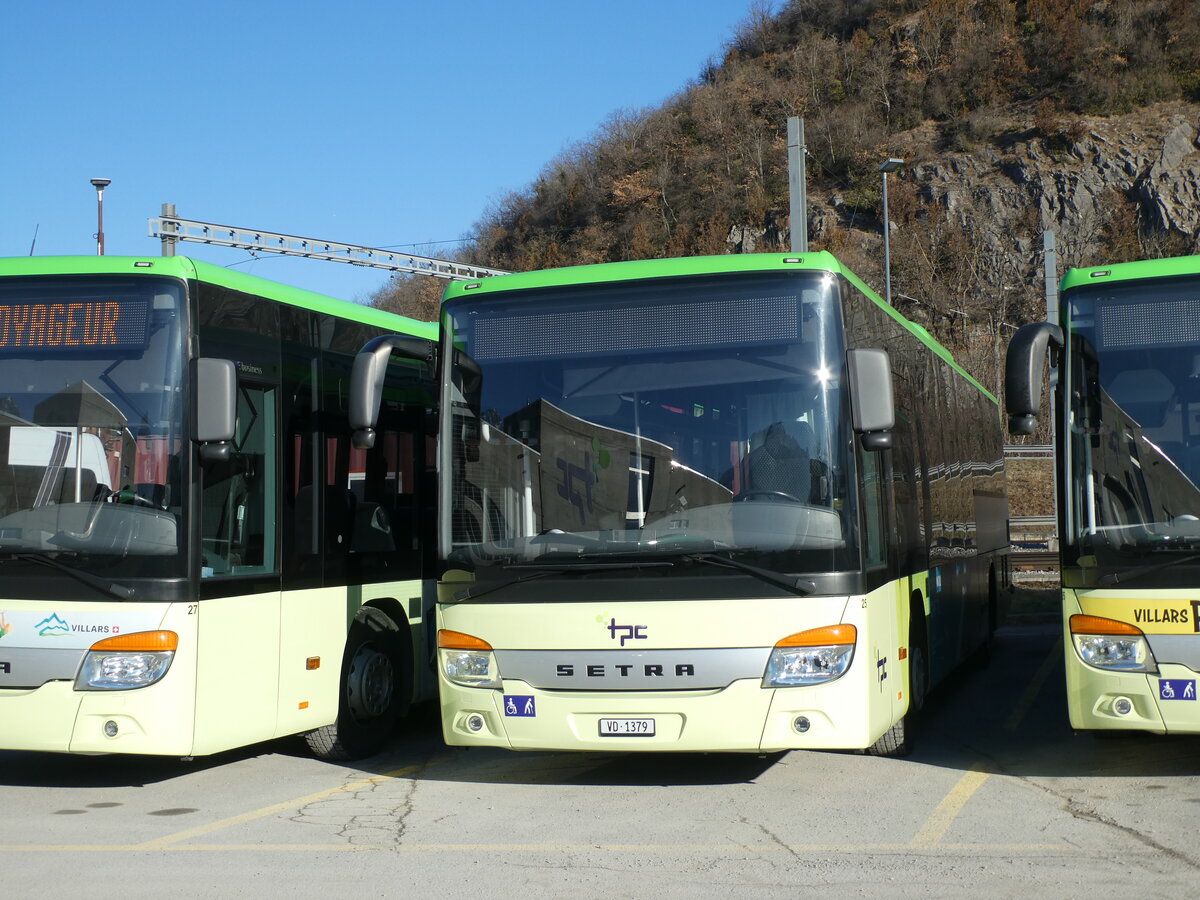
<point>1120,577</point>
<point>112,588</point>
<point>800,586</point>
<point>542,569</point>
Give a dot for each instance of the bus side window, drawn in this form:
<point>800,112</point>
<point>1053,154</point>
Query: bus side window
<point>238,506</point>
<point>874,510</point>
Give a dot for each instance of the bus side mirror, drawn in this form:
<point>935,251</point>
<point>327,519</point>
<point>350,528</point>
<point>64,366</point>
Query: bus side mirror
<point>1023,373</point>
<point>872,401</point>
<point>366,380</point>
<point>216,408</point>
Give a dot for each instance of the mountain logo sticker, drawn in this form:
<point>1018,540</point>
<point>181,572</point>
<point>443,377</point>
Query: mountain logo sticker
<point>52,626</point>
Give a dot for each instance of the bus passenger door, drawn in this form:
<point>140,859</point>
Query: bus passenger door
<point>238,616</point>
<point>886,592</point>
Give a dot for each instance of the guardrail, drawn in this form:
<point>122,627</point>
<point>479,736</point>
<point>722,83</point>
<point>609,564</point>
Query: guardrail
<point>1026,521</point>
<point>1028,451</point>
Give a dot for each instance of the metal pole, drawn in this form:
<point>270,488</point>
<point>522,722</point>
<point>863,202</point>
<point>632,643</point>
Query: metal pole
<point>891,164</point>
<point>170,229</point>
<point>99,221</point>
<point>798,184</point>
<point>887,246</point>
<point>1052,315</point>
<point>1051,264</point>
<point>100,184</point>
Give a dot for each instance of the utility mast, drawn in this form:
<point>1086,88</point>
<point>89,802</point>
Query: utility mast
<point>171,229</point>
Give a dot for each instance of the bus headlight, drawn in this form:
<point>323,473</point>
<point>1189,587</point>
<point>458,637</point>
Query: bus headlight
<point>127,661</point>
<point>1111,645</point>
<point>816,656</point>
<point>467,660</point>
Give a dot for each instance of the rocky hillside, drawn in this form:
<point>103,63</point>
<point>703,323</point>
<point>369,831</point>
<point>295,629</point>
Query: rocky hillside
<point>1013,116</point>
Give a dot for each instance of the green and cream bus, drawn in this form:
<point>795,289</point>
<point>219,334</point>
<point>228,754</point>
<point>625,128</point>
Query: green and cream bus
<point>193,557</point>
<point>1126,412</point>
<point>731,503</point>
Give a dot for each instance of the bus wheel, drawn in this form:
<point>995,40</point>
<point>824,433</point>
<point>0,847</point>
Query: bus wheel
<point>981,658</point>
<point>918,663</point>
<point>894,741</point>
<point>371,699</point>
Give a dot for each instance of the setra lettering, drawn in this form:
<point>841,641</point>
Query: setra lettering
<point>625,670</point>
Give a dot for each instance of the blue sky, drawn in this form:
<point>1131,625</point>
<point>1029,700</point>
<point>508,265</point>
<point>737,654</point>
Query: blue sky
<point>384,124</point>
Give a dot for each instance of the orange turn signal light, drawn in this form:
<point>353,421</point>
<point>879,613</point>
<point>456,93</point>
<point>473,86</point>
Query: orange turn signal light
<point>1081,624</point>
<point>456,640</point>
<point>140,642</point>
<point>820,637</point>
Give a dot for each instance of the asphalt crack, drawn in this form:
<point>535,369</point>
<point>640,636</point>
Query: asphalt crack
<point>369,813</point>
<point>1081,811</point>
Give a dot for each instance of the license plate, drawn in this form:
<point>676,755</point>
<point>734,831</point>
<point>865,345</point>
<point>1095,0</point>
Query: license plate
<point>626,728</point>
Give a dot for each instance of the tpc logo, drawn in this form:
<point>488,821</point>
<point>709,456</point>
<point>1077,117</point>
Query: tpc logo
<point>626,632</point>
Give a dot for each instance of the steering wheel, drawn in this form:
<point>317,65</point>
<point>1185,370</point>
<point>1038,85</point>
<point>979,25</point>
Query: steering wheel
<point>774,496</point>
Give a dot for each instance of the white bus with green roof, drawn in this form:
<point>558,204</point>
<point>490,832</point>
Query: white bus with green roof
<point>193,557</point>
<point>1126,419</point>
<point>728,503</point>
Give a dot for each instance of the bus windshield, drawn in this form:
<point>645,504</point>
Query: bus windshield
<point>1132,385</point>
<point>91,421</point>
<point>650,420</point>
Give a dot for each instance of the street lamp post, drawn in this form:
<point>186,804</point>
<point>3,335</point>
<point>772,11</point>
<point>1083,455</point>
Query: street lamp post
<point>100,184</point>
<point>891,164</point>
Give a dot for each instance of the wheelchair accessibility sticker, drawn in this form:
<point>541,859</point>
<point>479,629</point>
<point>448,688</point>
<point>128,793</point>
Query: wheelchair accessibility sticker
<point>1177,689</point>
<point>518,705</point>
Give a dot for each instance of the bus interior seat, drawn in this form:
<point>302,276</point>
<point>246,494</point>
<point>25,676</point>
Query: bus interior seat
<point>340,504</point>
<point>338,518</point>
<point>372,531</point>
<point>779,464</point>
<point>151,492</point>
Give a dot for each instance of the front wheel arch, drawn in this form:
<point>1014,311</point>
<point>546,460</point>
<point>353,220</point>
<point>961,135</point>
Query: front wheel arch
<point>374,689</point>
<point>918,653</point>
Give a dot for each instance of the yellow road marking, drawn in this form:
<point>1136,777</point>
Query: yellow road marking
<point>928,837</point>
<point>1033,688</point>
<point>947,811</point>
<point>943,816</point>
<point>709,849</point>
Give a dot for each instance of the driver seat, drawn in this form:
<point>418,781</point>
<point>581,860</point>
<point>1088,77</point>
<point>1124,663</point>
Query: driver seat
<point>779,465</point>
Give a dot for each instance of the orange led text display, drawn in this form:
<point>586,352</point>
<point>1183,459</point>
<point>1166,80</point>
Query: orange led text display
<point>84,323</point>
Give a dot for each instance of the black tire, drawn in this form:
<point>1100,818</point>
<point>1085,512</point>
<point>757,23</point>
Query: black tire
<point>897,740</point>
<point>373,696</point>
<point>981,657</point>
<point>894,742</point>
<point>918,662</point>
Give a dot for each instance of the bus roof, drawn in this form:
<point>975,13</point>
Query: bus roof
<point>602,273</point>
<point>1146,268</point>
<point>187,268</point>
